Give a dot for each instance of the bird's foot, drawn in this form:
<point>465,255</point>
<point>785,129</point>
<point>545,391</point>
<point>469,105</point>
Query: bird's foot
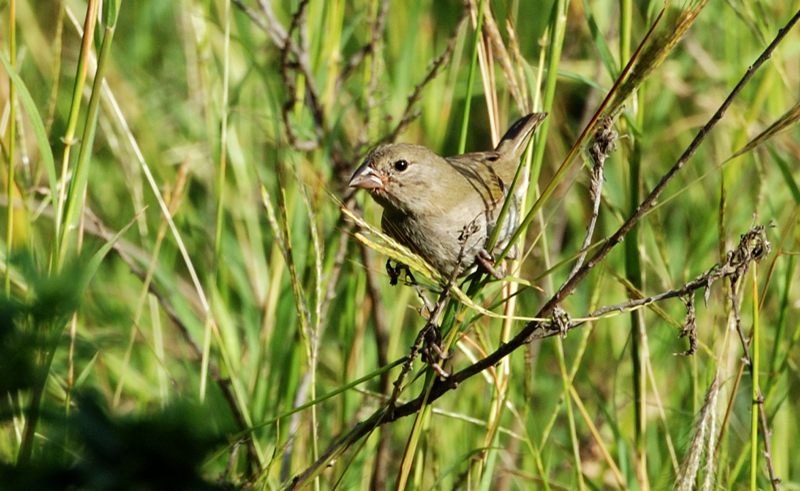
<point>432,352</point>
<point>486,261</point>
<point>561,320</point>
<point>394,273</point>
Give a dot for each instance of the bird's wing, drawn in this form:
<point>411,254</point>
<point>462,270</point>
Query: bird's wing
<point>477,169</point>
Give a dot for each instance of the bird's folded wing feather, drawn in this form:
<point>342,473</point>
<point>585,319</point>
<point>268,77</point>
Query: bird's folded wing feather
<point>478,171</point>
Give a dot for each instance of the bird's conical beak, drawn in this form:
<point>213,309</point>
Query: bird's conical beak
<point>367,178</point>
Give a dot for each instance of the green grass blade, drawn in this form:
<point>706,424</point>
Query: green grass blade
<point>36,123</point>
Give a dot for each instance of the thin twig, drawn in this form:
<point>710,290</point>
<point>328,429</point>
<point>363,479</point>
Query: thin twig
<point>261,23</point>
<point>762,416</point>
<point>380,470</point>
<point>373,49</point>
<point>435,314</point>
<point>274,29</point>
<point>753,246</point>
<point>346,228</point>
<point>410,114</point>
<point>376,33</point>
<point>767,434</point>
<point>300,64</point>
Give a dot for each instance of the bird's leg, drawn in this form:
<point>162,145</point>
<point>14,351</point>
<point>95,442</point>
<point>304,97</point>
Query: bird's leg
<point>486,260</point>
<point>393,272</point>
<point>428,307</point>
<point>432,351</point>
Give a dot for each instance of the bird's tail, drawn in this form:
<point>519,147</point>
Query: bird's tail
<point>515,140</point>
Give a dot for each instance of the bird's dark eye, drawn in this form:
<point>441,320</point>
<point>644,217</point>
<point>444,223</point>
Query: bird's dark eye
<point>401,165</point>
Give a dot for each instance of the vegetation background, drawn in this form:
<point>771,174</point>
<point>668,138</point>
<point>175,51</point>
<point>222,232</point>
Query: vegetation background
<point>179,278</point>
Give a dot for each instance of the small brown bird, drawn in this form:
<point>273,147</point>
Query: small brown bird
<point>429,201</point>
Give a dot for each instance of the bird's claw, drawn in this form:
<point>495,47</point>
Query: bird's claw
<point>561,320</point>
<point>486,260</point>
<point>394,273</point>
<point>432,352</point>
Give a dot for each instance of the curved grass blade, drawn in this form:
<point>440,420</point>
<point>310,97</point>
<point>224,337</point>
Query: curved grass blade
<point>36,123</point>
<point>783,123</point>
